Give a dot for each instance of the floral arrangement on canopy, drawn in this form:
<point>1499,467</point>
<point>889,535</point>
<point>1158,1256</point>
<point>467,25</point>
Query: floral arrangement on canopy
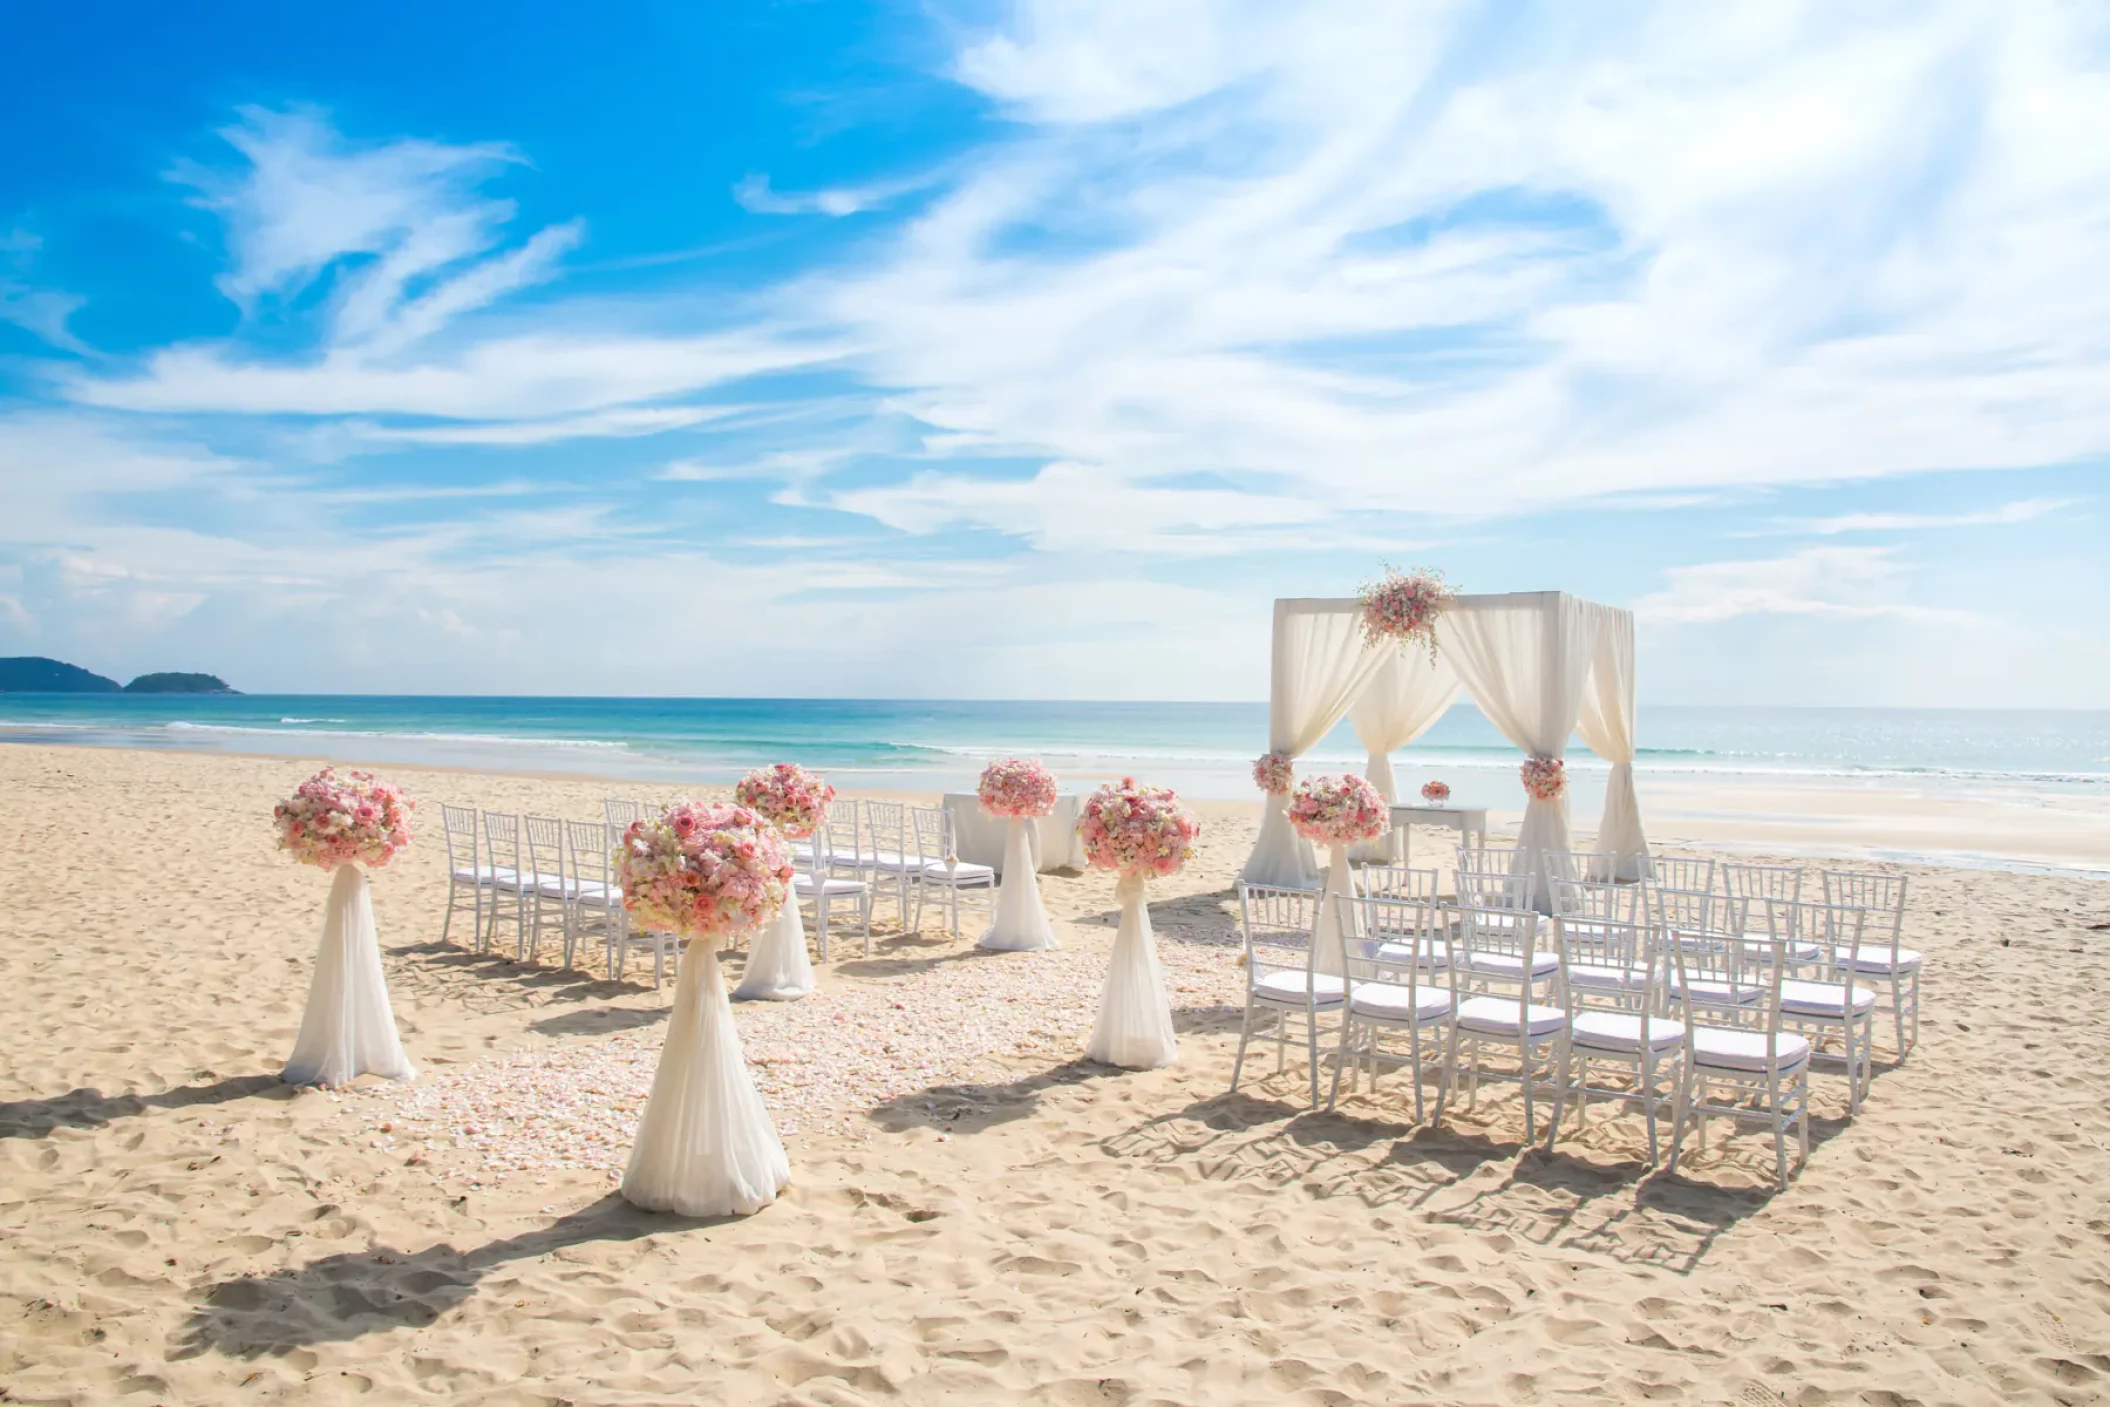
<point>1137,830</point>
<point>1401,608</point>
<point>1436,792</point>
<point>1274,772</point>
<point>1339,810</point>
<point>1016,789</point>
<point>357,820</point>
<point>787,796</point>
<point>703,871</point>
<point>1545,778</point>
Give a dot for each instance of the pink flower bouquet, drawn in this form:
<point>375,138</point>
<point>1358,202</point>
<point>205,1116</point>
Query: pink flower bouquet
<point>704,871</point>
<point>1273,773</point>
<point>330,821</point>
<point>1401,608</point>
<point>788,796</point>
<point>1338,810</point>
<point>1137,830</point>
<point>1016,789</point>
<point>1544,777</point>
<point>1436,792</point>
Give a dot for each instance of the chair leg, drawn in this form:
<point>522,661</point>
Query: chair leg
<point>1560,1094</point>
<point>1340,1058</point>
<point>1311,1045</point>
<point>448,922</point>
<point>1245,1034</point>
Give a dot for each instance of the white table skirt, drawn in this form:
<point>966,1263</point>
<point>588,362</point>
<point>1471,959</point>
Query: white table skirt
<point>981,836</point>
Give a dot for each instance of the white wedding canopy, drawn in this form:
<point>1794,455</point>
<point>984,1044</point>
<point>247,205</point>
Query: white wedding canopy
<point>1540,664</point>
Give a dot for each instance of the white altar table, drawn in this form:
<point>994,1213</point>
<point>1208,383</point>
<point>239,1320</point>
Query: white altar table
<point>980,836</point>
<point>1469,821</point>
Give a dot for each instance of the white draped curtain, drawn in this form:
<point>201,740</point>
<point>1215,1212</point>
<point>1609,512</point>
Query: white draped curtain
<point>1607,729</point>
<point>1403,700</point>
<point>1524,658</point>
<point>1320,668</point>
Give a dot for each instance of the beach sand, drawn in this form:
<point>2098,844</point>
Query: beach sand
<point>976,1215</point>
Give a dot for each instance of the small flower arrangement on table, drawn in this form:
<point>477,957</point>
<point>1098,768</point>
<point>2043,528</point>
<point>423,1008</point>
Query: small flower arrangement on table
<point>356,820</point>
<point>1545,778</point>
<point>1338,810</point>
<point>1401,608</point>
<point>788,796</point>
<point>1435,793</point>
<point>1274,773</point>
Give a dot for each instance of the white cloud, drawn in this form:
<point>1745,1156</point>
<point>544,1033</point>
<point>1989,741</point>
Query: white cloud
<point>2027,510</point>
<point>754,193</point>
<point>1835,583</point>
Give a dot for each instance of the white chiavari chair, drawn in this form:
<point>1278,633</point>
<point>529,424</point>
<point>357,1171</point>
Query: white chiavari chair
<point>1419,887</point>
<point>465,871</point>
<point>546,890</point>
<point>1751,1071</point>
<point>1283,984</point>
<point>1822,1009</point>
<point>943,873</point>
<point>1611,986</point>
<point>817,882</point>
<point>1494,953</point>
<point>1748,888</point>
<point>1878,956</point>
<point>509,884</point>
<point>1679,872</point>
<point>1391,992</point>
<point>596,897</point>
<point>620,812</point>
<point>889,861</point>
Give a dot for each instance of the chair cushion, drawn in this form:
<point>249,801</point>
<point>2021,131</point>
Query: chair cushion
<point>962,873</point>
<point>1426,952</point>
<point>1878,959</point>
<point>481,874</point>
<point>806,886</point>
<point>1745,1050</point>
<point>1289,986</point>
<point>1599,977</point>
<point>1707,990</point>
<point>1499,1016</point>
<point>1512,965</point>
<point>1824,998</point>
<point>1391,1001</point>
<point>893,862</point>
<point>1616,1030</point>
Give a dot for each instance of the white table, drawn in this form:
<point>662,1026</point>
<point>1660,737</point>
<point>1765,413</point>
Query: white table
<point>1469,821</point>
<point>980,836</point>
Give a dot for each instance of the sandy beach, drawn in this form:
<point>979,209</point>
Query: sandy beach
<point>976,1214</point>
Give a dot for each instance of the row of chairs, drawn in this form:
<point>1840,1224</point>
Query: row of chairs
<point>1640,994</point>
<point>545,875</point>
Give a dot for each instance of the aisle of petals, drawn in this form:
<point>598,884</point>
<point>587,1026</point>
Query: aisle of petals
<point>821,1063</point>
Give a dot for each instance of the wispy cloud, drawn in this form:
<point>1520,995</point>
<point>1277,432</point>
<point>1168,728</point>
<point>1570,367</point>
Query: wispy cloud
<point>755,194</point>
<point>2027,510</point>
<point>1835,583</point>
<point>43,312</point>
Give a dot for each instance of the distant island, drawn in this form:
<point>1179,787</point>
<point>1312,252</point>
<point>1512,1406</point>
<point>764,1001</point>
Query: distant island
<point>33,674</point>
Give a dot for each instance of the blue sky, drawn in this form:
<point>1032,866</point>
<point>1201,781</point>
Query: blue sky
<point>1030,351</point>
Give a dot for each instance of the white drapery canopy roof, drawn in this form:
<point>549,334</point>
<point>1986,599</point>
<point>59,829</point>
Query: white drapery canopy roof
<point>1540,664</point>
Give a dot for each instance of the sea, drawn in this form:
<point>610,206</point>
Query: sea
<point>1203,749</point>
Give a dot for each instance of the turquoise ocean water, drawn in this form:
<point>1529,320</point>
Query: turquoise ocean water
<point>1203,749</point>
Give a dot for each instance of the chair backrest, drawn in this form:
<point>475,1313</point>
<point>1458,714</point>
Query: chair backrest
<point>1881,894</point>
<point>1489,859</point>
<point>1396,882</point>
<point>1578,866</point>
<point>1387,939</point>
<point>545,847</point>
<point>1749,886</point>
<point>621,813</point>
<point>502,839</point>
<point>1493,889</point>
<point>931,830</point>
<point>1734,979</point>
<point>591,845</point>
<point>1586,900</point>
<point>838,844</point>
<point>458,825</point>
<point>1850,929</point>
<point>1625,945</point>
<point>1679,872</point>
<point>1277,924</point>
<point>1499,933</point>
<point>1684,912</point>
<point>886,829</point>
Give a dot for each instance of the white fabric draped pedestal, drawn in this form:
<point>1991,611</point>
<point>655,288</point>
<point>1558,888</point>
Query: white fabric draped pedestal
<point>1134,1029</point>
<point>349,1029</point>
<point>1402,701</point>
<point>1328,952</point>
<point>778,968</point>
<point>1320,667</point>
<point>706,1145</point>
<point>1020,924</point>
